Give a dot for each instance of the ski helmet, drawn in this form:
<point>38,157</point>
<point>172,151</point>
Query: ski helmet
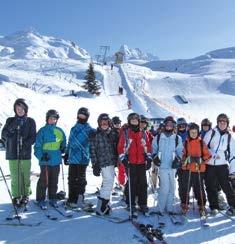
<point>103,116</point>
<point>52,113</point>
<point>143,119</point>
<point>168,119</point>
<point>116,120</point>
<point>83,111</point>
<point>181,121</point>
<point>223,117</point>
<point>21,102</point>
<point>133,116</point>
<point>206,122</point>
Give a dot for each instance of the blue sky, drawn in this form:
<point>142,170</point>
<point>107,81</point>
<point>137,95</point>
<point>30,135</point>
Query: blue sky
<point>168,28</point>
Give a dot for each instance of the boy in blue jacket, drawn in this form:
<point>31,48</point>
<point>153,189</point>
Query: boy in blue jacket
<point>50,144</point>
<point>77,157</point>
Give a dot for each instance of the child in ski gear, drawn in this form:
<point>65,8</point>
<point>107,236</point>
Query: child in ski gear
<point>205,127</point>
<point>222,147</point>
<point>77,156</point>
<point>18,135</point>
<point>167,152</point>
<point>135,153</point>
<point>195,156</point>
<point>49,146</point>
<point>103,159</point>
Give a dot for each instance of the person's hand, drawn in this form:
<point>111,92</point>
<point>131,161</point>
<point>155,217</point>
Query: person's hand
<point>149,160</point>
<point>96,170</point>
<point>156,160</point>
<point>45,157</point>
<point>65,159</point>
<point>124,159</point>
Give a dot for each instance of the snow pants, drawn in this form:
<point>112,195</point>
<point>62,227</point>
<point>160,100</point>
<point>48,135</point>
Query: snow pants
<point>166,191</point>
<point>48,179</point>
<point>20,177</point>
<point>196,184</point>
<point>77,181</point>
<point>107,174</point>
<point>213,176</point>
<point>138,183</point>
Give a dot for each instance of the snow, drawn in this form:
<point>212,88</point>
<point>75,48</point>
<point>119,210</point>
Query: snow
<point>46,80</point>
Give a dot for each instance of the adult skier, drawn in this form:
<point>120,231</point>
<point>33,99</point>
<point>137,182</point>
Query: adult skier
<point>222,147</point>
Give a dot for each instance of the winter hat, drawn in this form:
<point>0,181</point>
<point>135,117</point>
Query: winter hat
<point>21,102</point>
<point>133,116</point>
<point>181,121</point>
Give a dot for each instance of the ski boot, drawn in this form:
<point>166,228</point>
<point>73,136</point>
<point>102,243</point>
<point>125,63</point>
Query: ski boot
<point>17,201</point>
<point>53,203</point>
<point>42,204</point>
<point>231,211</point>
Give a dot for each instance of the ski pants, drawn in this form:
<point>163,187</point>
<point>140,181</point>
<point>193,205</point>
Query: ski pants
<point>213,176</point>
<point>77,181</point>
<point>196,184</point>
<point>49,176</point>
<point>20,177</point>
<point>180,184</point>
<point>138,184</point>
<point>166,191</point>
<point>107,174</point>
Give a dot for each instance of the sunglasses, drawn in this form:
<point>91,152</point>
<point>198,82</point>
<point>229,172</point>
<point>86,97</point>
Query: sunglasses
<point>223,121</point>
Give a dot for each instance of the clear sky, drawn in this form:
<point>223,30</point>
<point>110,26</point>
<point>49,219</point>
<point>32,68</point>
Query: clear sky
<point>167,28</point>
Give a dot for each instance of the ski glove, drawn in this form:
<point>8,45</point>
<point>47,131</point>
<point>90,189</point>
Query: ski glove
<point>124,159</point>
<point>156,160</point>
<point>45,157</point>
<point>177,163</point>
<point>149,160</point>
<point>96,170</point>
<point>65,158</point>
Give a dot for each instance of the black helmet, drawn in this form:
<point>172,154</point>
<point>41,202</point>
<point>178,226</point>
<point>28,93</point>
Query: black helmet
<point>116,120</point>
<point>21,102</point>
<point>83,111</point>
<point>223,117</point>
<point>207,122</point>
<point>143,119</point>
<point>169,118</point>
<point>52,113</point>
<point>133,116</point>
<point>193,126</point>
<point>181,121</point>
<point>103,116</point>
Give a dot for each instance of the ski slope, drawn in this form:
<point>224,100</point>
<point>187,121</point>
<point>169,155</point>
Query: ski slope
<point>46,83</point>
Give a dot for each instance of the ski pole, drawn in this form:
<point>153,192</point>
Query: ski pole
<point>129,190</point>
<point>188,189</point>
<point>18,159</point>
<point>9,192</point>
<point>202,201</point>
<point>62,168</point>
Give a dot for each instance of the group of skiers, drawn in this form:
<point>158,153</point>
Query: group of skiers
<point>197,157</point>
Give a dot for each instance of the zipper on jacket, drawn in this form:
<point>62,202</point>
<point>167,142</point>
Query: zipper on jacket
<point>217,147</point>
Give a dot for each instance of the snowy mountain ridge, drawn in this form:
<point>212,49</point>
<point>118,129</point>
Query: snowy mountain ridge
<point>29,44</point>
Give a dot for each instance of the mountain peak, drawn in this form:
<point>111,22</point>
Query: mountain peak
<point>30,44</point>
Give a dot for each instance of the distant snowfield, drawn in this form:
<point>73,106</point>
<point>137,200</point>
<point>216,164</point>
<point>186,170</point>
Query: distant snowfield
<point>47,83</point>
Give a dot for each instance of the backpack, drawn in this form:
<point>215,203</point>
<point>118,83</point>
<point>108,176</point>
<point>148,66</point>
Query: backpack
<point>227,151</point>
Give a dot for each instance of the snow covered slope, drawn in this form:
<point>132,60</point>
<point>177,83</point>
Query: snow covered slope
<point>47,83</point>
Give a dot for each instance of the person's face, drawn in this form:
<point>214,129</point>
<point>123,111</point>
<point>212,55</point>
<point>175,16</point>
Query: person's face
<point>134,121</point>
<point>52,121</point>
<point>20,111</point>
<point>117,126</point>
<point>104,124</point>
<point>169,125</point>
<point>82,116</point>
<point>205,127</point>
<point>181,127</point>
<point>143,125</point>
<point>222,124</point>
<point>193,133</point>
